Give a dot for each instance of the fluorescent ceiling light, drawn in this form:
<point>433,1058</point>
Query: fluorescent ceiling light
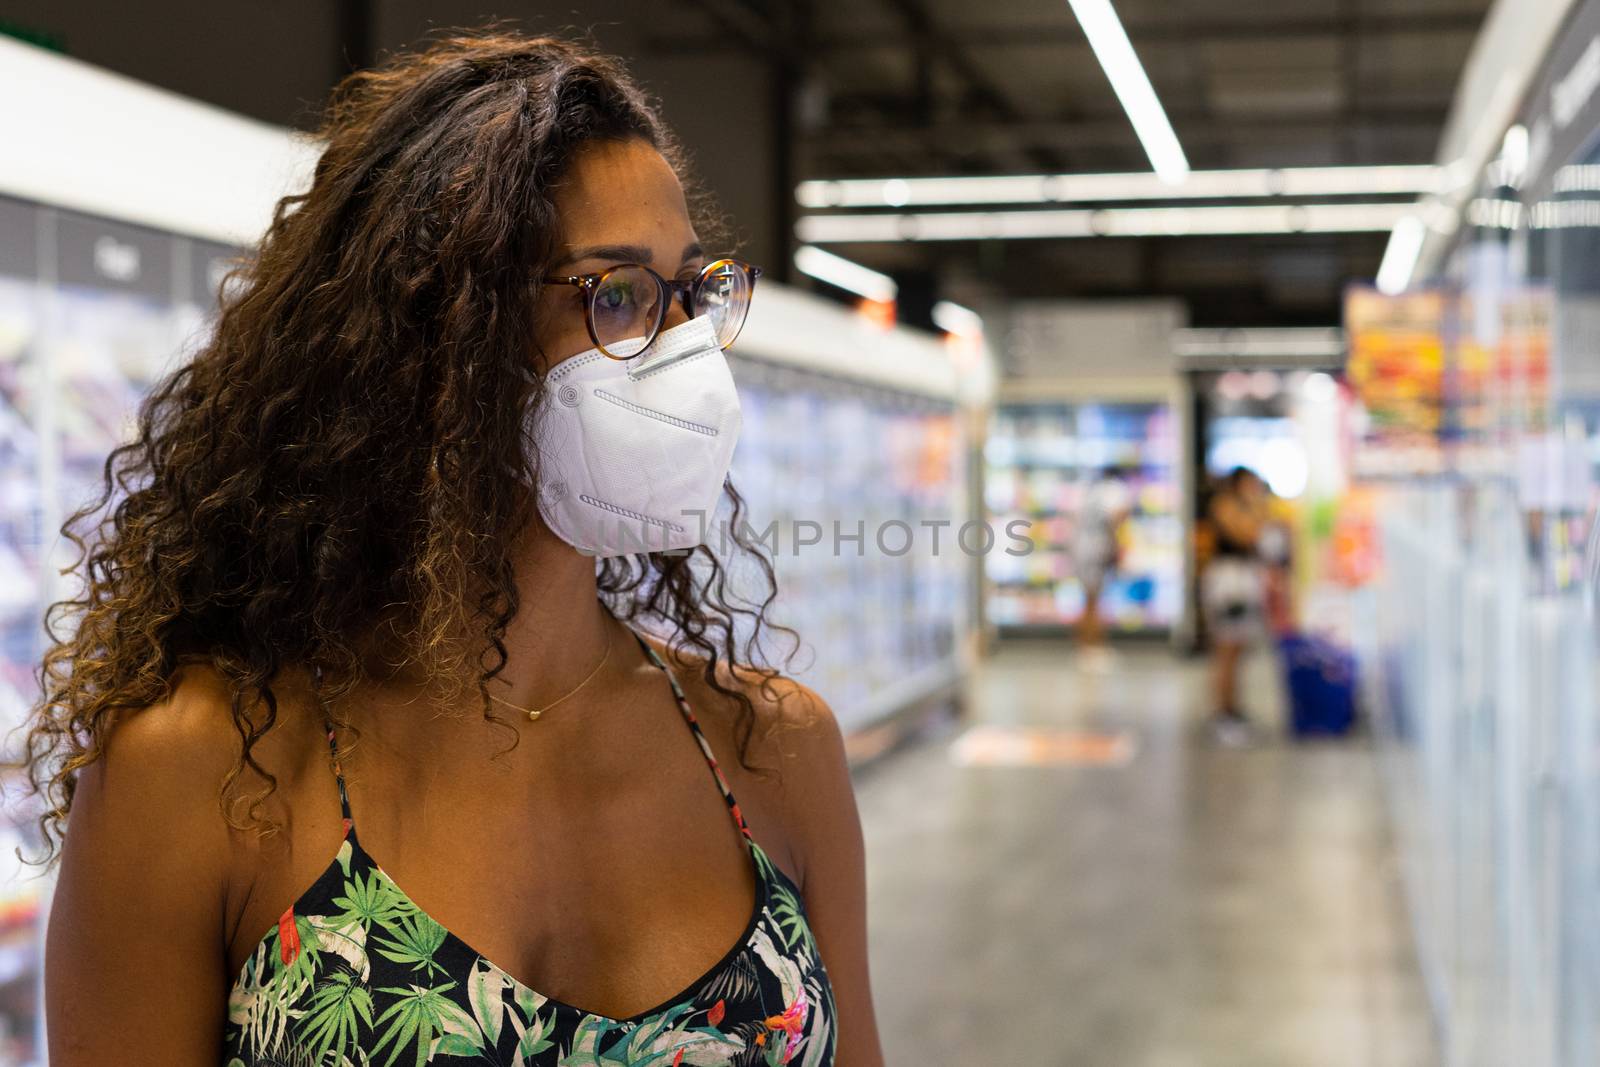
<point>1109,222</point>
<point>953,318</point>
<point>1494,213</point>
<point>1400,258</point>
<point>1576,178</point>
<point>1132,85</point>
<point>1141,185</point>
<point>1566,215</point>
<point>836,270</point>
<point>1357,181</point>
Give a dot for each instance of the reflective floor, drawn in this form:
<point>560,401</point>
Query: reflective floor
<point>1110,891</point>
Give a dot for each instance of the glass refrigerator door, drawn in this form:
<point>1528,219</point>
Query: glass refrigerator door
<point>861,512</point>
<point>1560,484</point>
<point>22,574</point>
<point>76,358</point>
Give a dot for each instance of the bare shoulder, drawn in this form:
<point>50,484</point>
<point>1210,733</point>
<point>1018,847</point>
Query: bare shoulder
<point>170,752</point>
<point>792,726</point>
<point>184,746</point>
<point>164,768</point>
<point>149,883</point>
<point>796,787</point>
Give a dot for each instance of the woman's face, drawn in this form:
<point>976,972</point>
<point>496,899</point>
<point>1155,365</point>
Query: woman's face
<point>619,203</point>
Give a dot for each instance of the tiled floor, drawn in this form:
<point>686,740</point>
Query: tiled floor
<point>1194,907</point>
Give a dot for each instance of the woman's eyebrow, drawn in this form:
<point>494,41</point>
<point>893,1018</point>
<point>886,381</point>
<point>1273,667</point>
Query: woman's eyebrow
<point>626,253</point>
<point>614,253</point>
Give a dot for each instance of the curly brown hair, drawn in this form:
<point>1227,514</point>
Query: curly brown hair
<point>341,466</point>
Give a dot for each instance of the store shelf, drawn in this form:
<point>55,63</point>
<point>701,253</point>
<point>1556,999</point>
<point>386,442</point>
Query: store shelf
<point>1041,459</point>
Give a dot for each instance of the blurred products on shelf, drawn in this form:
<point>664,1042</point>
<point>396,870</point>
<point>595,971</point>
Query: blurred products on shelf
<point>876,481</point>
<point>1042,459</point>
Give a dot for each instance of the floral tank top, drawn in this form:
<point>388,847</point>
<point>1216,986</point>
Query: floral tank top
<point>356,975</point>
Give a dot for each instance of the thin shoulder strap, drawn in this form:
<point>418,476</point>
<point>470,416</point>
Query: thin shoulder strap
<point>333,751</point>
<point>699,735</point>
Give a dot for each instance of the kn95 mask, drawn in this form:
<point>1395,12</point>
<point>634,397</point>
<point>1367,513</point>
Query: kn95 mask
<point>632,454</point>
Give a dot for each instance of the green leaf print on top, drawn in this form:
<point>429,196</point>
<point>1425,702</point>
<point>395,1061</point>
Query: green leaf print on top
<point>346,991</point>
<point>355,974</point>
<point>416,939</point>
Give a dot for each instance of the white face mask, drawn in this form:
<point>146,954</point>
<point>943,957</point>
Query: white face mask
<point>632,455</point>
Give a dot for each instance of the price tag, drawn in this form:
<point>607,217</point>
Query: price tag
<point>109,255</point>
<point>209,263</point>
<point>19,238</point>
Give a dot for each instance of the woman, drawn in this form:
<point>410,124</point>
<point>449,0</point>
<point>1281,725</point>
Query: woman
<point>1233,594</point>
<point>365,757</point>
<point>1096,552</point>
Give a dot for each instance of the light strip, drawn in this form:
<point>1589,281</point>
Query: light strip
<point>83,138</point>
<point>1132,86</point>
<point>1109,222</point>
<point>836,270</point>
<point>1141,185</point>
<point>1576,178</point>
<point>953,318</point>
<point>1265,342</point>
<point>1400,258</point>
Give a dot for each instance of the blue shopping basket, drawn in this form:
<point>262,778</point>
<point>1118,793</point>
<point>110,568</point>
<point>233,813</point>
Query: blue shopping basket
<point>1321,680</point>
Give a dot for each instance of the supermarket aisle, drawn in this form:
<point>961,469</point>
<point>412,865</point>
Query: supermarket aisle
<point>1188,908</point>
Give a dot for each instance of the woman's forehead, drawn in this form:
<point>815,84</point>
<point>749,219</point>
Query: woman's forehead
<point>622,193</point>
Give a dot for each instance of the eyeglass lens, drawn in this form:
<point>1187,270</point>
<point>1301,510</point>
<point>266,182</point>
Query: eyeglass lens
<point>724,297</point>
<point>626,310</point>
<point>628,305</point>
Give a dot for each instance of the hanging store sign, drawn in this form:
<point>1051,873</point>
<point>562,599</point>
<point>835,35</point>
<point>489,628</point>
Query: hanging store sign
<point>1562,111</point>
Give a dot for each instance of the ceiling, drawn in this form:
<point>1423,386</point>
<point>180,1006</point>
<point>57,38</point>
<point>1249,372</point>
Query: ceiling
<point>902,88</point>
<point>767,93</point>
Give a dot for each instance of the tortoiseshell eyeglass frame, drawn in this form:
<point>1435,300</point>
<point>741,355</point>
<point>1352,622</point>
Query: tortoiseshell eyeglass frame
<point>685,291</point>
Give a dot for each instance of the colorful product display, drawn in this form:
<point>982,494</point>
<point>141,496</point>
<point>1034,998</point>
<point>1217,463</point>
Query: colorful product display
<point>22,512</point>
<point>22,573</point>
<point>1042,460</point>
<point>1397,362</point>
<point>106,349</point>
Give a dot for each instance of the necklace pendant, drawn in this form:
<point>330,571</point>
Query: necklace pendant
<point>533,716</point>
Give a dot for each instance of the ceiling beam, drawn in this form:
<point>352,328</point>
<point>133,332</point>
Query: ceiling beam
<point>1111,130</point>
<point>740,28</point>
<point>931,42</point>
<point>1066,31</point>
<point>925,34</point>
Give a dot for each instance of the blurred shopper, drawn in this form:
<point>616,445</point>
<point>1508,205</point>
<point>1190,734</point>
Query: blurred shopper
<point>1233,593</point>
<point>332,598</point>
<point>1097,540</point>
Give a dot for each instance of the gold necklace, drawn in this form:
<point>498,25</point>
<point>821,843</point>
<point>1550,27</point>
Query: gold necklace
<point>534,713</point>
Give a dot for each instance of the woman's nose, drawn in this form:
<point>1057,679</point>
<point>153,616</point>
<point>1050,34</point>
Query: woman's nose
<point>676,315</point>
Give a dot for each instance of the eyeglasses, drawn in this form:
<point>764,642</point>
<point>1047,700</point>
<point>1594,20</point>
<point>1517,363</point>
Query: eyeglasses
<point>625,306</point>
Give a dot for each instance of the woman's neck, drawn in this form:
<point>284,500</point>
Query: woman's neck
<point>559,634</point>
<point>561,630</point>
